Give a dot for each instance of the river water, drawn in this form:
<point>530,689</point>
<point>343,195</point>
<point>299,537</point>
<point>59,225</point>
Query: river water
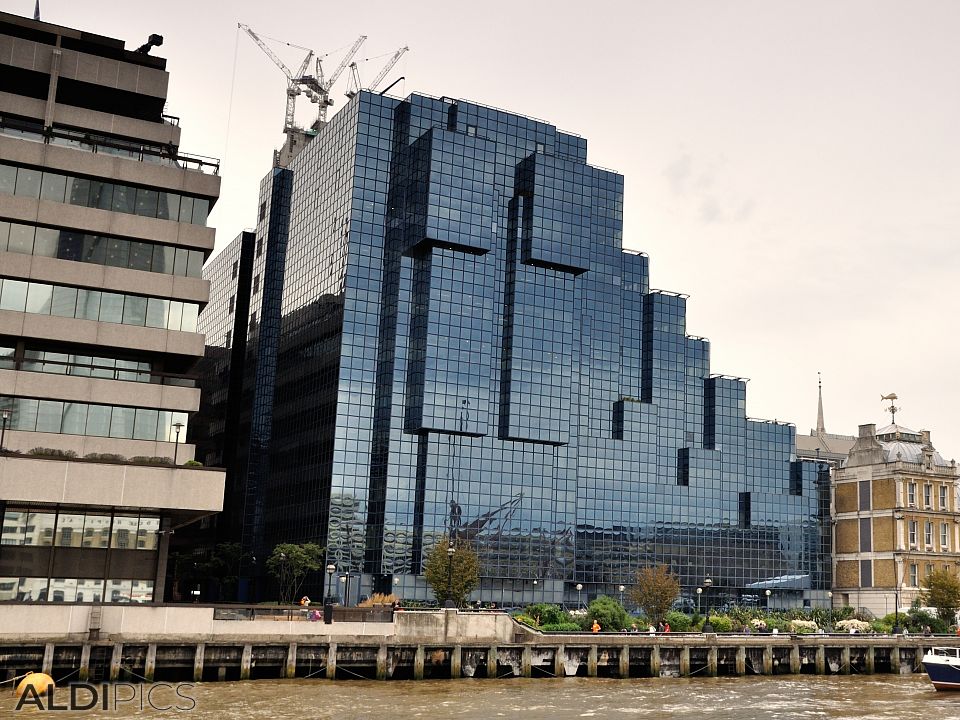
<point>875,697</point>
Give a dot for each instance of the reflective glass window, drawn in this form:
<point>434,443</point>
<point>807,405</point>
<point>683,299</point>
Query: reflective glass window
<point>39,297</point>
<point>32,589</point>
<point>101,195</point>
<point>94,249</point>
<point>64,302</point>
<point>70,530</point>
<point>25,414</point>
<point>145,425</point>
<point>46,242</point>
<point>78,191</point>
<point>98,420</point>
<point>190,315</point>
<point>134,310</point>
<point>53,187</point>
<point>89,590</point>
<point>163,258</point>
<point>96,531</point>
<point>8,179</point>
<point>13,295</point>
<point>121,422</point>
<point>118,252</point>
<point>195,264</point>
<point>88,304</point>
<point>21,238</point>
<point>200,209</point>
<point>118,591</point>
<point>4,235</point>
<point>157,309</point>
<point>49,416</point>
<point>147,201</point>
<point>14,527</point>
<point>111,307</point>
<point>124,199</point>
<point>141,256</point>
<point>186,209</point>
<point>74,418</point>
<point>28,182</point>
<point>141,591</point>
<point>168,207</point>
<point>39,530</point>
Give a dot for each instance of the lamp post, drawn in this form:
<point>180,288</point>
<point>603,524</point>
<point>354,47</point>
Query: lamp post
<point>767,592</point>
<point>177,427</point>
<point>830,599</point>
<point>707,584</point>
<point>331,569</point>
<point>449,603</point>
<point>579,601</point>
<point>345,579</point>
<point>621,589</point>
<point>699,593</point>
<point>535,583</point>
<point>5,416</point>
<point>896,577</point>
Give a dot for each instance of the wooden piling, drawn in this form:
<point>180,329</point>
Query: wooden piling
<point>84,673</point>
<point>592,661</point>
<point>820,660</point>
<point>712,654</point>
<point>685,661</point>
<point>526,661</point>
<point>655,661</point>
<point>768,660</point>
<point>795,659</point>
<point>150,665</point>
<point>456,661</point>
<point>47,666</point>
<point>624,661</point>
<point>869,660</point>
<point>115,659</point>
<point>198,654</point>
<point>332,661</point>
<point>558,669</point>
<point>741,660</point>
<point>245,662</point>
<point>418,662</point>
<point>492,662</point>
<point>382,662</point>
<point>290,667</point>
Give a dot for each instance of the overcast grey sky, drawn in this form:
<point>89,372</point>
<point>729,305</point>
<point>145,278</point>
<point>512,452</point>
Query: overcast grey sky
<point>792,166</point>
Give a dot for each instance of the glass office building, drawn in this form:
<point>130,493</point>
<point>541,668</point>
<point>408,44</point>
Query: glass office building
<point>446,337</point>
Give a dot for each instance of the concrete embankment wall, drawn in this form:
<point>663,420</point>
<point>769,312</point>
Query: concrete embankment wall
<point>186,642</point>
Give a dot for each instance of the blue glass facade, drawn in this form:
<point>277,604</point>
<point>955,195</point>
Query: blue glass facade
<point>452,340</point>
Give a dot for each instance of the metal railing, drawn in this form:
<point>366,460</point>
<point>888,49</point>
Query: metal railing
<point>168,156</point>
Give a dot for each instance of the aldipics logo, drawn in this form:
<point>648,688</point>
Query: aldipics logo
<point>110,697</point>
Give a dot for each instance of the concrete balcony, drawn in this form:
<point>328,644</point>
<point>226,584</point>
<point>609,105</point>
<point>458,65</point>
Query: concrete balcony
<point>72,388</point>
<point>106,222</point>
<point>102,277</point>
<point>77,161</point>
<point>107,335</point>
<point>93,120</point>
<point>185,494</point>
<point>24,442</point>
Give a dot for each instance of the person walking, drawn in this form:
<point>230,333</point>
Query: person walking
<point>596,627</point>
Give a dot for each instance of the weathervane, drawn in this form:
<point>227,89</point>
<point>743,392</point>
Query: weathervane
<point>893,408</point>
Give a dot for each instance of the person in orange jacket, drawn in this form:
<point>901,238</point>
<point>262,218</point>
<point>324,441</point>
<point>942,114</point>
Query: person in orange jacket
<point>596,627</point>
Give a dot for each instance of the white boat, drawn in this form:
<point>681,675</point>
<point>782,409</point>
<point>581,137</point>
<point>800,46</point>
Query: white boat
<point>943,666</point>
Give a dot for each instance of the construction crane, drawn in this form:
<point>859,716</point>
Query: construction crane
<point>356,86</point>
<point>315,87</point>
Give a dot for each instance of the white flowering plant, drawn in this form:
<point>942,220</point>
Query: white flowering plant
<point>853,626</point>
<point>803,626</point>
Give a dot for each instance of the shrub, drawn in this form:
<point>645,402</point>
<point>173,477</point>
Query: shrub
<point>879,626</point>
<point>547,614</point>
<point>526,620</point>
<point>52,452</point>
<point>803,627</point>
<point>151,460</point>
<point>608,612</point>
<point>193,463</point>
<point>777,623</point>
<point>758,624</point>
<point>678,621</point>
<point>561,627</point>
<point>378,599</point>
<point>860,626</point>
<point>721,623</point>
<point>108,457</point>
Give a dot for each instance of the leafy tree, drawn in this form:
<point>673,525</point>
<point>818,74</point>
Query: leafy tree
<point>289,563</point>
<point>461,571</point>
<point>655,590</point>
<point>223,565</point>
<point>679,622</point>
<point>942,591</point>
<point>546,614</point>
<point>608,612</point>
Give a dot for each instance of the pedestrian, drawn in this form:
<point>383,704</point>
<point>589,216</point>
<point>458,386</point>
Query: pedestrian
<point>927,630</point>
<point>660,626</point>
<point>595,627</point>
<point>666,627</point>
<point>652,630</point>
<point>634,628</point>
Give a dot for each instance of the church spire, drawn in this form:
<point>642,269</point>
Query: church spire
<point>821,430</point>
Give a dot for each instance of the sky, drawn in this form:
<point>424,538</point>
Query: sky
<point>792,166</point>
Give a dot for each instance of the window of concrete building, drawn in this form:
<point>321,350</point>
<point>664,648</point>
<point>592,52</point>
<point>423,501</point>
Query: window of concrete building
<point>944,536</point>
<point>914,575</point>
<point>928,533</point>
<point>864,487</point>
<point>866,573</point>
<point>928,571</point>
<point>913,533</point>
<point>943,498</point>
<point>912,494</point>
<point>928,495</point>
<point>866,544</point>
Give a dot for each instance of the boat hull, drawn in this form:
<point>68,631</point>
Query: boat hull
<point>943,675</point>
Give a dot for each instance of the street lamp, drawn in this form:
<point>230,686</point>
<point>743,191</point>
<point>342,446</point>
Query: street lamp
<point>699,593</point>
<point>449,603</point>
<point>177,427</point>
<point>830,599</point>
<point>5,415</point>
<point>896,587</point>
<point>579,601</point>
<point>331,569</point>
<point>621,589</point>
<point>768,592</point>
<point>707,584</point>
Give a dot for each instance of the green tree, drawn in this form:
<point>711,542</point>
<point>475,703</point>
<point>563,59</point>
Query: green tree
<point>223,565</point>
<point>655,590</point>
<point>461,571</point>
<point>609,613</point>
<point>289,564</point>
<point>941,590</point>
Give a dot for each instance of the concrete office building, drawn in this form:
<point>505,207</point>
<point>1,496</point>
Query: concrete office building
<point>102,239</point>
